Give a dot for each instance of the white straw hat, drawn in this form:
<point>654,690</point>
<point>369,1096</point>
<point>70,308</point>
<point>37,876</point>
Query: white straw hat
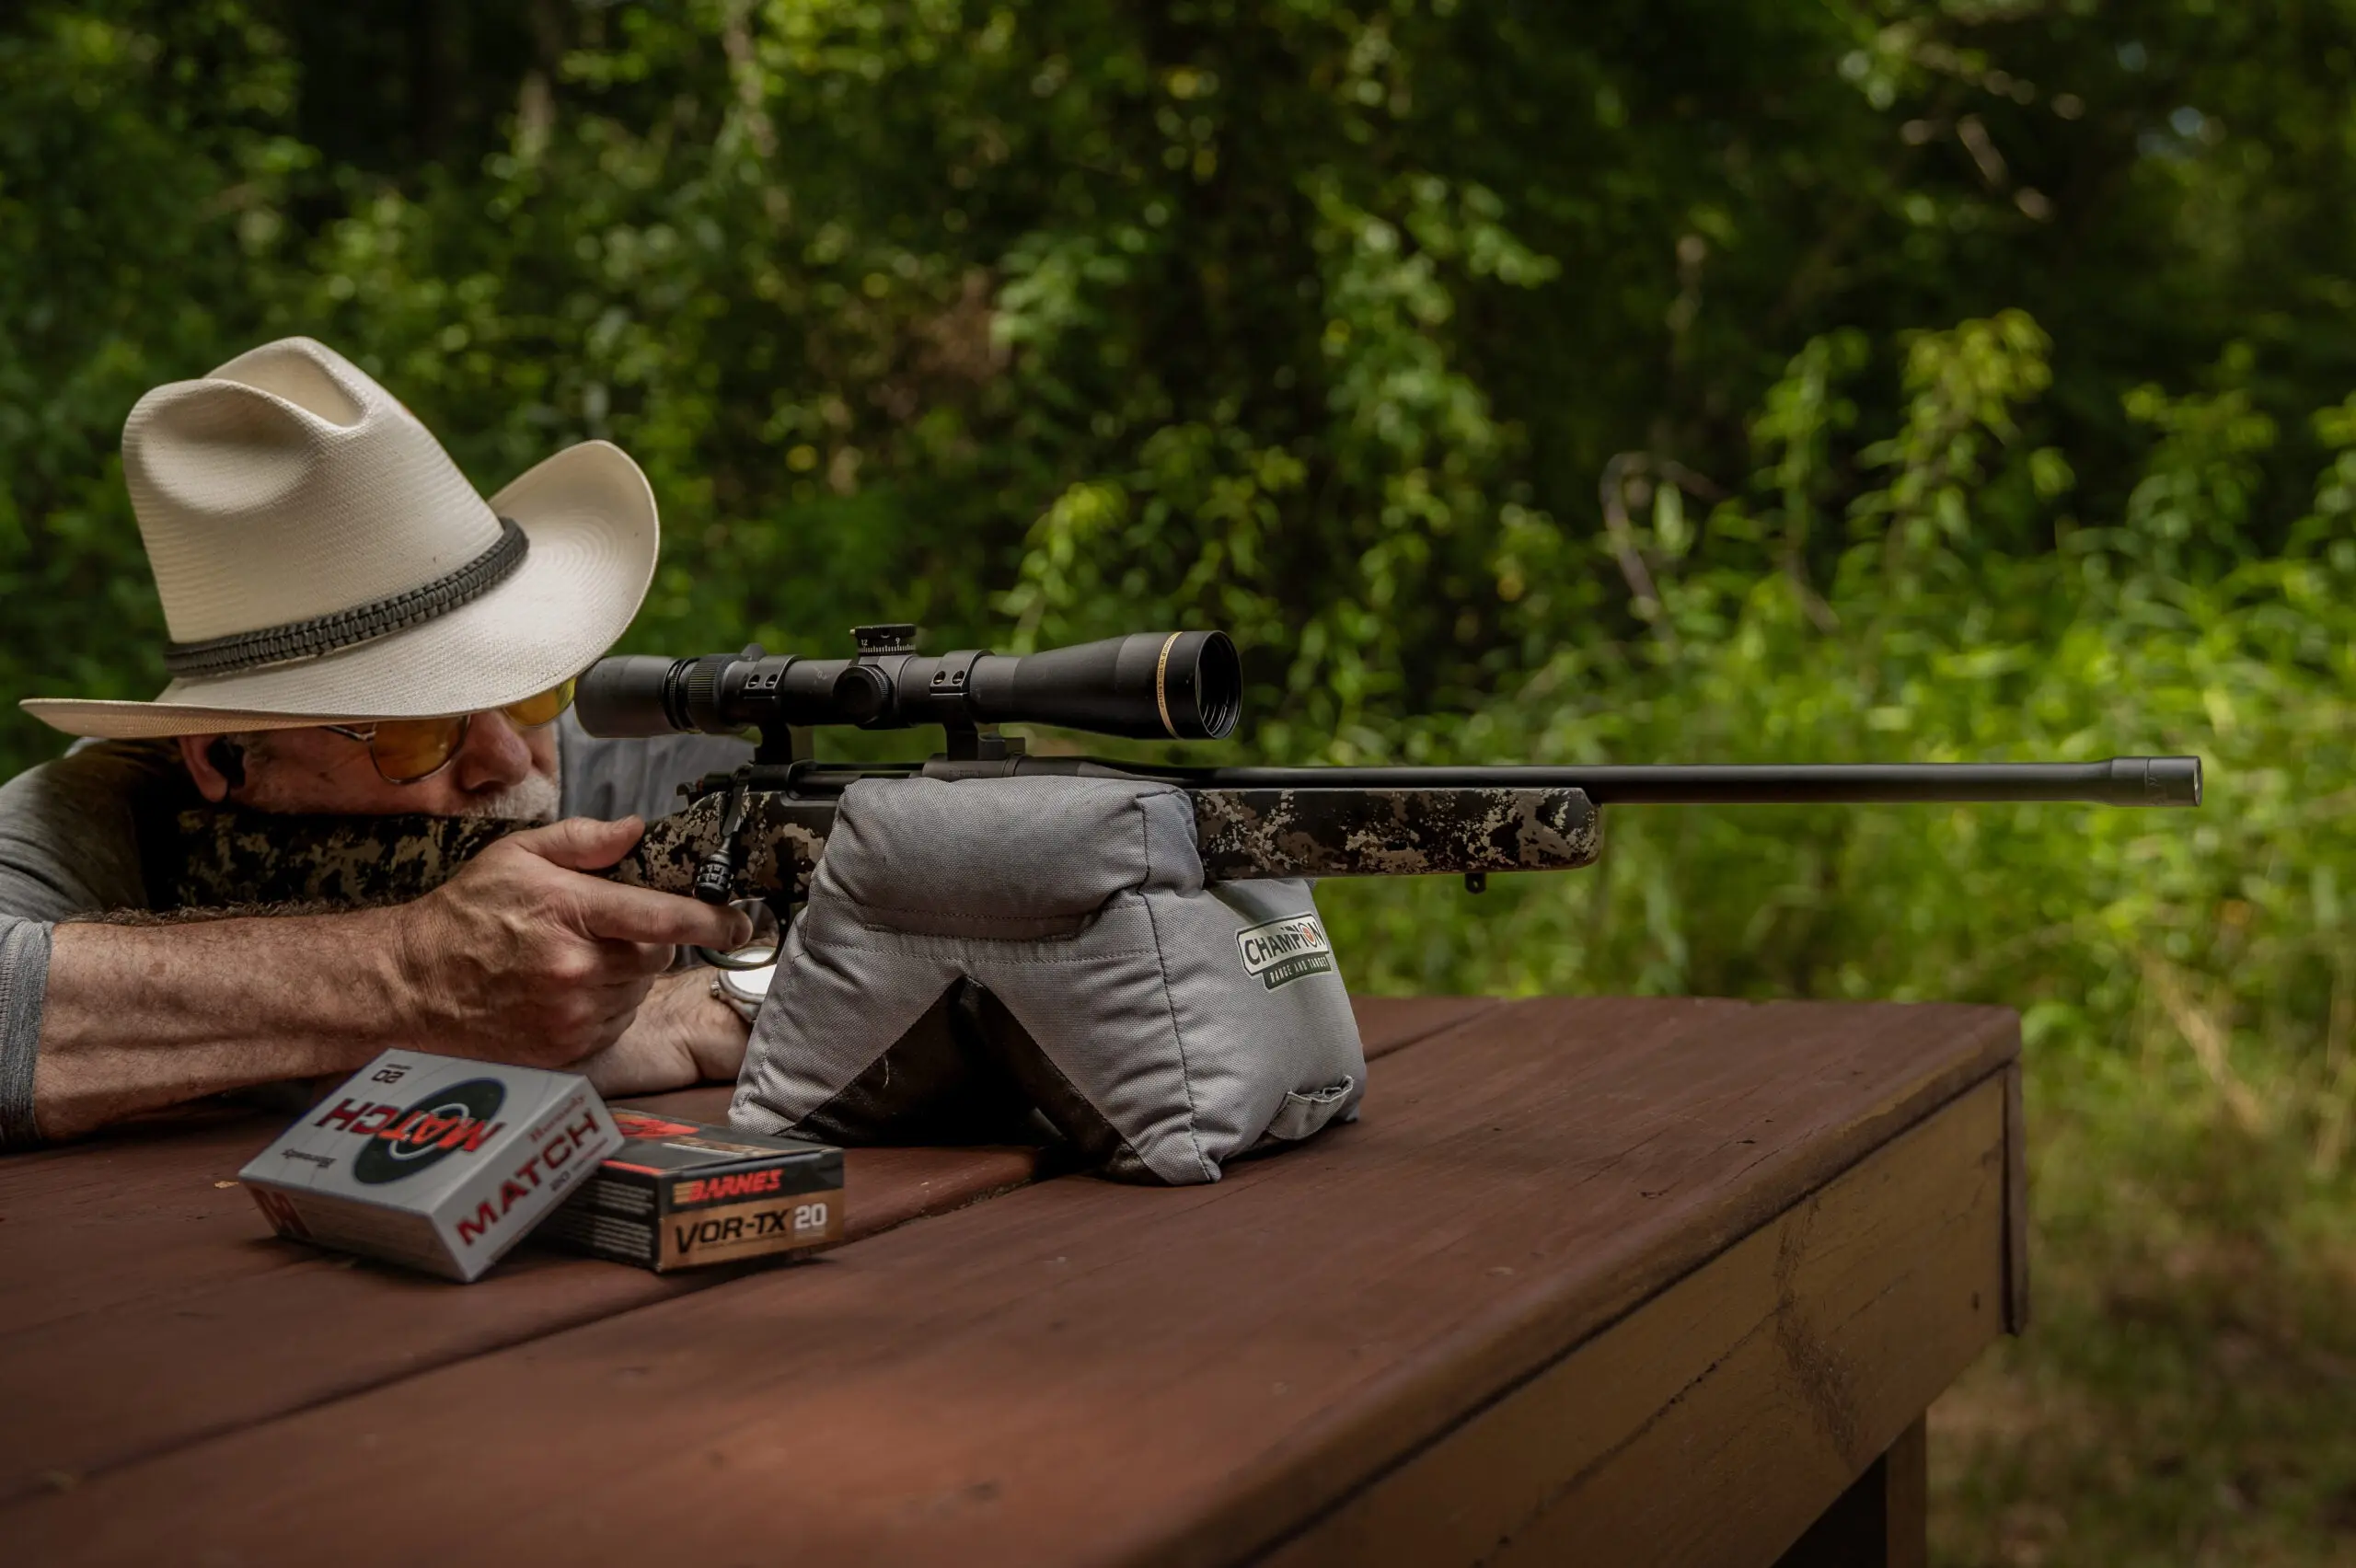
<point>321,561</point>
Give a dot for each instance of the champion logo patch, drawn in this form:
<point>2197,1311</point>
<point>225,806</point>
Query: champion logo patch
<point>1282,951</point>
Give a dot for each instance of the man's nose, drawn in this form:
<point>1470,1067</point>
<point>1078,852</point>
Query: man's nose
<point>494,755</point>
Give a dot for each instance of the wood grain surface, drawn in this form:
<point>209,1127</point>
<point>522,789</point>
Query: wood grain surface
<point>1079,1372</point>
<point>1714,1422</point>
<point>145,1304</point>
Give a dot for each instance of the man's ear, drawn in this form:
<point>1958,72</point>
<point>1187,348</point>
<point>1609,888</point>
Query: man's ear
<point>215,762</point>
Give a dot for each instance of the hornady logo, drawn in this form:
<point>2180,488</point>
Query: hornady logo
<point>737,1184</point>
<point>1283,951</point>
<point>404,1140</point>
<point>518,1185</point>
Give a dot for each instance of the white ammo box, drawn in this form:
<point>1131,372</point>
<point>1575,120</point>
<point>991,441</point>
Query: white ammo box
<point>438,1162</point>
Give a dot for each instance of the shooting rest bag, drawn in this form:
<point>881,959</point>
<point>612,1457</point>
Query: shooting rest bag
<point>978,957</point>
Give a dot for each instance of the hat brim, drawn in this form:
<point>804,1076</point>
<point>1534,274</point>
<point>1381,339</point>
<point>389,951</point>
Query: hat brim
<point>590,516</point>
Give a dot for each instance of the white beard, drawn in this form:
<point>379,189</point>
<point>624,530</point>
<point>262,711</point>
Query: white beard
<point>536,799</point>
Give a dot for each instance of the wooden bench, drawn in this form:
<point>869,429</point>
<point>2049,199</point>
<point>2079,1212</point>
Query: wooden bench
<point>1599,1281</point>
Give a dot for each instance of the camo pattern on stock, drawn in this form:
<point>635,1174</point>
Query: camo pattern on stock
<point>229,859</point>
<point>1376,833</point>
<point>781,838</point>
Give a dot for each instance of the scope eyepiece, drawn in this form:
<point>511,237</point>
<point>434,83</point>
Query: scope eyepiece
<point>1148,685</point>
<point>628,695</point>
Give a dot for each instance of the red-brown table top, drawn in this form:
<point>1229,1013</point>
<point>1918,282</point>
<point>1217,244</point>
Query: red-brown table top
<point>995,1366</point>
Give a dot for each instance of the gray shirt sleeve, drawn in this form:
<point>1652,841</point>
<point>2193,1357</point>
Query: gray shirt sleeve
<point>69,829</point>
<point>618,778</point>
<point>24,979</point>
<point>69,845</point>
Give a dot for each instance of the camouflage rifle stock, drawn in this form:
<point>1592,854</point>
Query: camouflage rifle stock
<point>230,858</point>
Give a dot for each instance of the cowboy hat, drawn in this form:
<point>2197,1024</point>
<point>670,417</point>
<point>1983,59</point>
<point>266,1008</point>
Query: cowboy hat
<point>321,561</point>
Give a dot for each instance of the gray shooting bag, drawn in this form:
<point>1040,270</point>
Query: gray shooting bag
<point>988,960</point>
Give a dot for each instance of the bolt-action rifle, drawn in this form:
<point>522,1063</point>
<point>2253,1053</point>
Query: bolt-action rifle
<point>758,832</point>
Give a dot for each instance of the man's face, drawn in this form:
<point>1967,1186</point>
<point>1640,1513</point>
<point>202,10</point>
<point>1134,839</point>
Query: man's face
<point>499,770</point>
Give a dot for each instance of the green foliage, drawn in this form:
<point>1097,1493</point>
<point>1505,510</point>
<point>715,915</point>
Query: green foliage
<point>132,182</point>
<point>1636,380</point>
<point>1319,322</point>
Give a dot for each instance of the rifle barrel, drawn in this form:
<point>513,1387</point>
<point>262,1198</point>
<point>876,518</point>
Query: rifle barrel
<point>2120,782</point>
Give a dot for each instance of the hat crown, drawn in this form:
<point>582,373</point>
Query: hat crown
<point>288,485</point>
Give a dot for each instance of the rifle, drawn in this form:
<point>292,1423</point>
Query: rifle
<point>758,832</point>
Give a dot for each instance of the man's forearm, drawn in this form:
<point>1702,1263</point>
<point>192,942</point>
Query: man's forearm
<point>141,1017</point>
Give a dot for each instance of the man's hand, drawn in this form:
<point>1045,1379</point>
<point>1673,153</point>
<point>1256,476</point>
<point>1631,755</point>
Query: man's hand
<point>682,1035</point>
<point>521,958</point>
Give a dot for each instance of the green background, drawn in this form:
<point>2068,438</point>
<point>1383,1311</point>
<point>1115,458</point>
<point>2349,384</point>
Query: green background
<point>1518,380</point>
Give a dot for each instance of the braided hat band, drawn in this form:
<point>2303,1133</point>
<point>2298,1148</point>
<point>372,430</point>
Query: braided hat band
<point>362,623</point>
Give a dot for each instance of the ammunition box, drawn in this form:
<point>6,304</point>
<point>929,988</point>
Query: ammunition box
<point>437,1162</point>
<point>681,1195</point>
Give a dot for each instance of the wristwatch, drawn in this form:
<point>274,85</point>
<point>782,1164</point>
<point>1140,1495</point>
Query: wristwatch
<point>743,990</point>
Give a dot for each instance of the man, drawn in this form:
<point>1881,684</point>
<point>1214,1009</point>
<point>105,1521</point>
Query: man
<point>353,630</point>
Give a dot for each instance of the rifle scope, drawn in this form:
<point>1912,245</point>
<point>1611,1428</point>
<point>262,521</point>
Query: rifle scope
<point>1184,686</point>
